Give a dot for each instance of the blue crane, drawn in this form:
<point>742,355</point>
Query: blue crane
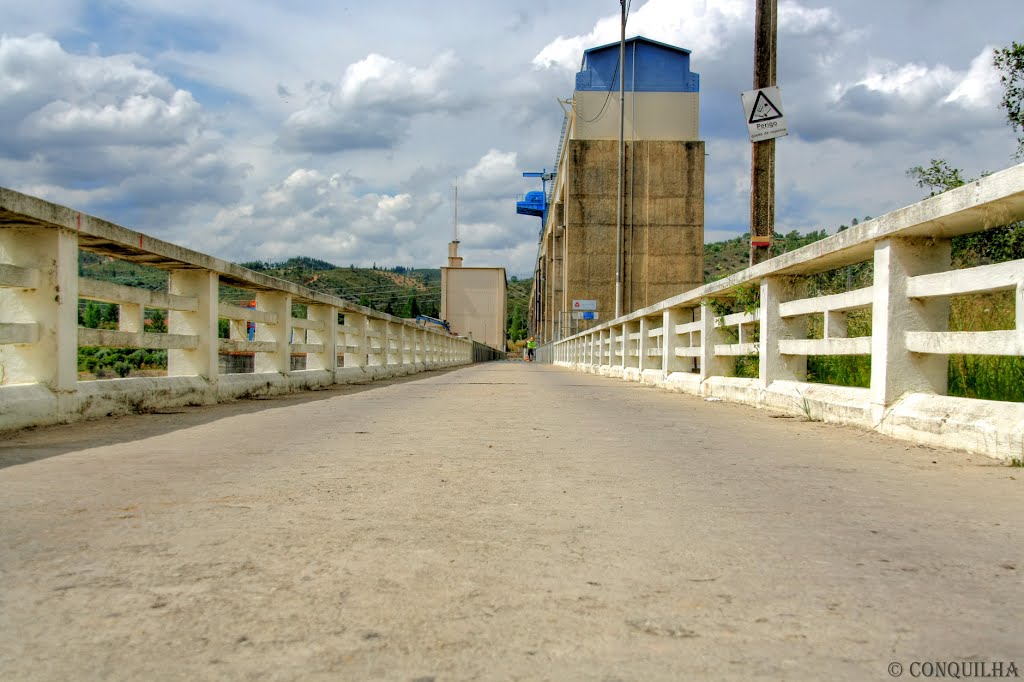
<point>536,203</point>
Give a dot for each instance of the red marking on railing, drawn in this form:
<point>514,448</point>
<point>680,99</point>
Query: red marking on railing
<point>140,241</point>
<point>78,220</point>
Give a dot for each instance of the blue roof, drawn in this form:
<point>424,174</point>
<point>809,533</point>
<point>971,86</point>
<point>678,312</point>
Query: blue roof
<point>651,66</point>
<point>641,39</point>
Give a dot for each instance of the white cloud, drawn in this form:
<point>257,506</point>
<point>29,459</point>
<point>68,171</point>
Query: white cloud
<point>109,123</point>
<point>325,216</point>
<point>979,87</point>
<point>370,107</point>
<point>919,84</point>
<point>493,175</point>
<point>706,27</point>
<point>50,97</point>
<point>796,19</point>
<point>192,124</point>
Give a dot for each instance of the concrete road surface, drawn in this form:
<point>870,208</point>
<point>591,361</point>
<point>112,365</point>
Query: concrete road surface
<point>505,521</point>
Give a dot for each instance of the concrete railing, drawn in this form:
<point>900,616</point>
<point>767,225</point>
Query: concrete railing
<point>681,344</point>
<point>40,290</point>
<point>484,353</point>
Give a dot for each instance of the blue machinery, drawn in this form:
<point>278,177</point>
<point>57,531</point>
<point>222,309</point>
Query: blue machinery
<point>424,320</point>
<point>536,203</point>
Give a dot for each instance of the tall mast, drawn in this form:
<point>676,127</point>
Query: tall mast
<point>622,154</point>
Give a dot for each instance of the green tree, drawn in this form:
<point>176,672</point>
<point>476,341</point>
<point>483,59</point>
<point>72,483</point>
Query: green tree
<point>412,307</point>
<point>364,301</point>
<point>939,177</point>
<point>978,248</point>
<point>111,315</point>
<point>157,321</point>
<point>517,324</point>
<point>1010,63</point>
<point>91,318</point>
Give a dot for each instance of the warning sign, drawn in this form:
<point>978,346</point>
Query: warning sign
<point>763,111</point>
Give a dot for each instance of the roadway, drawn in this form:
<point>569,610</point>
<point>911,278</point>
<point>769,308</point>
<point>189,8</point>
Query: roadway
<point>499,521</point>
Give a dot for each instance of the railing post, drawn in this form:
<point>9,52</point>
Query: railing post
<point>328,336</point>
<point>670,318</point>
<point>836,326</point>
<point>238,330</point>
<point>279,360</point>
<point>403,344</point>
<point>376,355</point>
<point>894,370</point>
<point>419,340</point>
<point>623,338</point>
<point>201,360</point>
<point>355,340</point>
<point>711,333</point>
<point>131,317</point>
<point>642,344</point>
<point>1020,312</point>
<point>604,343</point>
<point>772,366</point>
<point>391,344</point>
<point>49,303</point>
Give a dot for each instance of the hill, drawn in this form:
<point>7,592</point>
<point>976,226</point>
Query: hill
<point>391,289</point>
<point>726,257</point>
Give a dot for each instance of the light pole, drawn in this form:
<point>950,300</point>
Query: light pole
<point>622,155</point>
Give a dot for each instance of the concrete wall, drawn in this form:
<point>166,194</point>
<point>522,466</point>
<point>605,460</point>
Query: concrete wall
<point>663,236</point>
<point>649,115</point>
<point>473,302</point>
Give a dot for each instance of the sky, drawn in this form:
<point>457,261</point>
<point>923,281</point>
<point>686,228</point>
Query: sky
<point>261,130</point>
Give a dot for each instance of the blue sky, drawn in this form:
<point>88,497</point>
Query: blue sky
<point>263,129</point>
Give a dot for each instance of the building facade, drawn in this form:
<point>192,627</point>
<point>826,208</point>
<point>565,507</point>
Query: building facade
<point>473,300</point>
<point>662,247</point>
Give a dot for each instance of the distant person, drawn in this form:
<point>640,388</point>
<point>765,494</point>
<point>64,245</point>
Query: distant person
<point>531,349</point>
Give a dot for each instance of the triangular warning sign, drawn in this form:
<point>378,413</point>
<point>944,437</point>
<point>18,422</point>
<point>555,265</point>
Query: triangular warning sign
<point>763,110</point>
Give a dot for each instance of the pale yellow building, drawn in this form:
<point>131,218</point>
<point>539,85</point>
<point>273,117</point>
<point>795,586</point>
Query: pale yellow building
<point>473,300</point>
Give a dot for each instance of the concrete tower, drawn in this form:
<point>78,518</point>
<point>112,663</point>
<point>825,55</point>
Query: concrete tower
<point>663,220</point>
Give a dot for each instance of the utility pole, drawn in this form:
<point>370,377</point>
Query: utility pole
<point>622,155</point>
<point>762,160</point>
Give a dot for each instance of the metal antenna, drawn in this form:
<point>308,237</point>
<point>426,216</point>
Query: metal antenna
<point>456,239</point>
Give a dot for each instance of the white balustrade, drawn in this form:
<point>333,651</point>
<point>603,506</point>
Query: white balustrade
<point>681,344</point>
<point>40,336</point>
